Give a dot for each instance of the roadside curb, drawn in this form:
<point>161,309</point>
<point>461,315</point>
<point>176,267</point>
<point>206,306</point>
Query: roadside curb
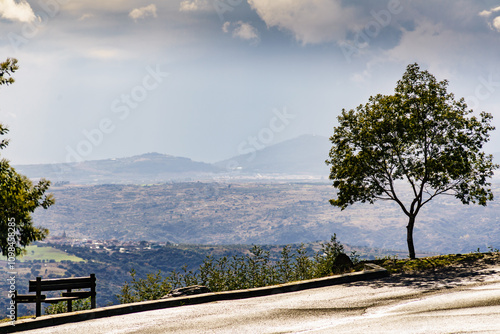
<point>373,272</point>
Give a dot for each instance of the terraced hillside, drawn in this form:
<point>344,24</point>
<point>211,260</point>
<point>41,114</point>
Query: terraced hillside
<point>260,213</point>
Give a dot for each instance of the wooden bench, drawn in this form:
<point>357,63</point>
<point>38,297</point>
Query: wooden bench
<point>54,284</point>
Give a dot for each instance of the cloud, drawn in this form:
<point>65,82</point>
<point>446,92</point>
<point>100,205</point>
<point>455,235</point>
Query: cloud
<point>438,47</point>
<point>143,12</point>
<point>486,13</point>
<point>225,27</point>
<point>361,77</point>
<point>312,21</point>
<point>85,17</point>
<point>105,54</point>
<point>11,10</point>
<point>245,31</point>
<point>496,23</point>
<point>194,5</point>
<point>242,30</point>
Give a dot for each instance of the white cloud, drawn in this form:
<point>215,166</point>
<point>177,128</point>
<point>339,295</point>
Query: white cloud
<point>16,11</point>
<point>85,17</point>
<point>361,77</point>
<point>496,23</point>
<point>194,5</point>
<point>486,13</point>
<point>312,21</point>
<point>143,12</point>
<point>245,31</point>
<point>225,27</point>
<point>242,30</point>
<point>437,46</point>
<point>105,54</point>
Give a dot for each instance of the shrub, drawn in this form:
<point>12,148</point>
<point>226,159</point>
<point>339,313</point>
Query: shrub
<point>61,307</point>
<point>240,272</point>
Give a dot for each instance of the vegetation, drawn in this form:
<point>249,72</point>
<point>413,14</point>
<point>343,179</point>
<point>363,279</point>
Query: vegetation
<point>395,265</point>
<point>61,307</point>
<point>256,269</point>
<point>422,135</point>
<point>112,268</point>
<point>35,252</point>
<point>19,197</point>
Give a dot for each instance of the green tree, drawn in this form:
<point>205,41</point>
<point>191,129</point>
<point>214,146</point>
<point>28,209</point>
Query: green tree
<point>7,68</point>
<point>420,135</point>
<point>19,197</point>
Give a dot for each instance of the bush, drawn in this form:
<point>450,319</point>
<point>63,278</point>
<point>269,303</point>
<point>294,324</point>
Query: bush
<point>240,272</point>
<point>61,307</point>
<point>151,288</point>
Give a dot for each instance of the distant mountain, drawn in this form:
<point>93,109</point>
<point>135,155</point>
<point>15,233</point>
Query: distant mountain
<point>304,155</point>
<point>301,156</point>
<point>148,167</point>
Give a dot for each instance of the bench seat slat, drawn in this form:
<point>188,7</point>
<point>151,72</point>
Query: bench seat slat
<point>28,298</point>
<point>64,280</point>
<point>61,286</point>
<point>79,294</point>
<point>59,299</point>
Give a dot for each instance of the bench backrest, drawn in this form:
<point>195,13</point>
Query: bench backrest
<point>62,283</point>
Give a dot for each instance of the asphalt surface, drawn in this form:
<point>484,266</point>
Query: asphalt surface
<point>455,301</point>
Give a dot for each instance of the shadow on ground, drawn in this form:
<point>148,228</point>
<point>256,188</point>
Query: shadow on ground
<point>442,278</point>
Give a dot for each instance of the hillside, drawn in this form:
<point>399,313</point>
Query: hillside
<point>145,168</point>
<point>262,213</point>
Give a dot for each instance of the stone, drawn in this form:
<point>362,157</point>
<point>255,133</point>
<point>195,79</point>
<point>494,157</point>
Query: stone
<point>187,291</point>
<point>342,263</point>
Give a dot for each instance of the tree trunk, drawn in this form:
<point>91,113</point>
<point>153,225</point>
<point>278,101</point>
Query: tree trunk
<point>409,237</point>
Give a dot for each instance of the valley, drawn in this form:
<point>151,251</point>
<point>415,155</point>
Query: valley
<point>261,213</point>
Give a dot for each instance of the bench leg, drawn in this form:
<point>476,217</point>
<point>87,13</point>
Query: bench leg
<point>38,297</point>
<point>92,290</point>
<point>70,303</point>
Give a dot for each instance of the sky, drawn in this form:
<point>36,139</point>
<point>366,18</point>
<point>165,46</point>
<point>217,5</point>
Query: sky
<point>211,79</point>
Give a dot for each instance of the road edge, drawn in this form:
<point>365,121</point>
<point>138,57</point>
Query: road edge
<point>374,272</point>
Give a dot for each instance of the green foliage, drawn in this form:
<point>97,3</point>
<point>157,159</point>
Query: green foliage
<point>422,135</point>
<point>324,260</point>
<point>150,288</point>
<point>253,270</point>
<point>61,307</point>
<point>395,265</point>
<point>19,197</point>
<point>7,68</point>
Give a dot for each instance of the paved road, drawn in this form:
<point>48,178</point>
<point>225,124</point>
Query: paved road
<point>451,302</point>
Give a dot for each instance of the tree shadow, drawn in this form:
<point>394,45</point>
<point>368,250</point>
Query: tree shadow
<point>442,278</point>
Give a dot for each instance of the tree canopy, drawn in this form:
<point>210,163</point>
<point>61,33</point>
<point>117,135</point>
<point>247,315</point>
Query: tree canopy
<point>421,134</point>
<point>19,196</point>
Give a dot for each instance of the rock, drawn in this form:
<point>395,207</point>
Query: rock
<point>342,263</point>
<point>187,291</point>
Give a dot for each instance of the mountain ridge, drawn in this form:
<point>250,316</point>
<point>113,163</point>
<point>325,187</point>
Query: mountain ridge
<point>303,155</point>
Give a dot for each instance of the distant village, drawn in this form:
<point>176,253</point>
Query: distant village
<point>110,246</point>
